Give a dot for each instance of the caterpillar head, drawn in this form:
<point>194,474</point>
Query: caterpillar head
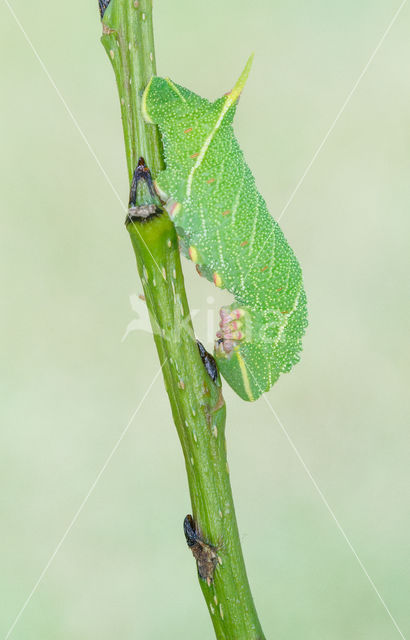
<point>163,101</point>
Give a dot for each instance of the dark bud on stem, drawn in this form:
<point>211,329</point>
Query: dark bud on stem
<point>209,362</point>
<point>189,530</point>
<point>205,554</point>
<point>103,4</point>
<point>144,203</point>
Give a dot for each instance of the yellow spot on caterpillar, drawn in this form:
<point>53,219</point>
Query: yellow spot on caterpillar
<point>181,384</point>
<point>245,378</point>
<point>173,208</point>
<point>169,243</point>
<point>221,611</point>
<point>210,181</point>
<point>212,609</point>
<point>194,155</point>
<point>164,273</point>
<point>215,431</point>
<point>226,213</point>
<point>217,280</point>
<point>188,130</point>
<point>244,243</point>
<point>216,600</point>
<point>112,54</point>
<point>193,254</point>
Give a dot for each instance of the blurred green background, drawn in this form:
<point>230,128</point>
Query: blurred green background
<point>69,384</point>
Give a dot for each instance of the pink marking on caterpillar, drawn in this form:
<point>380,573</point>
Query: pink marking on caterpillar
<point>229,333</point>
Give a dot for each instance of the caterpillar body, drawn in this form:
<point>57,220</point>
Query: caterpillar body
<point>226,229</point>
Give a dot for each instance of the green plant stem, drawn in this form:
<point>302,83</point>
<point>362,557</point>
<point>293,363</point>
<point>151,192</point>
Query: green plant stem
<point>196,401</point>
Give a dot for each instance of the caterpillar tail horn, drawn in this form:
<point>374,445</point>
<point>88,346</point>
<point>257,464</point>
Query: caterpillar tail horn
<point>240,84</point>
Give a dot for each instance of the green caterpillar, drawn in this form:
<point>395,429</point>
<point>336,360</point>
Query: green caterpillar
<point>226,229</point>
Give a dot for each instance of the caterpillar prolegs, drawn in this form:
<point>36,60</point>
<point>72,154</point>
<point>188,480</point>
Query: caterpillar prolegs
<point>226,229</point>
